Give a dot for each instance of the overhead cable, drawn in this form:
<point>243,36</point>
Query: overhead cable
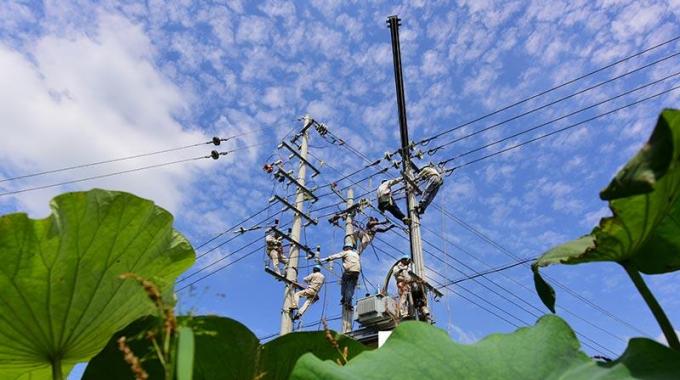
<point>214,155</point>
<point>496,125</point>
<point>522,101</point>
<point>571,126</point>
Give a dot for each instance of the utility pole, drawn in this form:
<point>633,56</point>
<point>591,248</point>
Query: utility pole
<point>294,252</point>
<point>347,313</point>
<point>414,227</point>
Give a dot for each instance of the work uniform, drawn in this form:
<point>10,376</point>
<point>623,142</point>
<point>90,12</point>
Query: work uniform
<point>433,181</point>
<point>385,200</point>
<point>275,252</point>
<point>404,280</point>
<point>351,263</point>
<point>363,238</point>
<point>315,280</point>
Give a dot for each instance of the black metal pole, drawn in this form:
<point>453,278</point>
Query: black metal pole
<point>393,22</point>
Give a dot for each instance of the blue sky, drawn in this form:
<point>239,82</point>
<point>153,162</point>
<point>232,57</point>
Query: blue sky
<point>89,81</point>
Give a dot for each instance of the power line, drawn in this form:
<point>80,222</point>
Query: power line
<point>224,267</point>
<point>510,254</point>
<point>488,272</point>
<point>583,336</point>
<point>231,228</point>
<point>571,126</point>
<point>496,125</point>
<point>215,141</point>
<point>522,101</point>
<point>216,261</point>
<point>121,172</point>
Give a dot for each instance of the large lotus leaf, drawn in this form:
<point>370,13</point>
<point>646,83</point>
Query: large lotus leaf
<point>62,297</point>
<point>548,350</point>
<point>644,230</point>
<point>224,349</point>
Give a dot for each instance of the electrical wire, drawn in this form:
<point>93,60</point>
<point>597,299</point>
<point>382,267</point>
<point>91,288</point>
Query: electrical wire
<point>496,125</point>
<point>485,238</point>
<point>522,101</point>
<point>223,267</point>
<point>571,126</point>
<point>24,190</point>
<point>215,262</point>
<point>215,141</point>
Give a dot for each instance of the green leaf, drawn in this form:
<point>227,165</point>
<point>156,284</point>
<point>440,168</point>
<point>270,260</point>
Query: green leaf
<point>185,353</point>
<point>224,349</point>
<point>62,298</point>
<point>644,231</point>
<point>548,350</point>
<point>545,291</point>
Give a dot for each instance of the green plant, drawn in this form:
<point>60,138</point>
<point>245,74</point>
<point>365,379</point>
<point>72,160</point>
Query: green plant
<point>173,345</point>
<point>548,350</point>
<point>61,297</point>
<point>224,349</point>
<point>643,235</point>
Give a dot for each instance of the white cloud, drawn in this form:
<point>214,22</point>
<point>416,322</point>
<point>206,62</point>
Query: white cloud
<point>87,99</point>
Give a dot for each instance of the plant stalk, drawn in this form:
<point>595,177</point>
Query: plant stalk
<point>57,374</point>
<point>654,306</point>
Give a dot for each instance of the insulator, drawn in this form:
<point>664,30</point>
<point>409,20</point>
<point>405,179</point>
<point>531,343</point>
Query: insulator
<point>216,140</point>
<point>215,154</point>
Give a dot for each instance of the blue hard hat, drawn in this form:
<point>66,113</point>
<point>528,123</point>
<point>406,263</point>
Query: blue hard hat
<point>405,257</point>
<point>317,268</point>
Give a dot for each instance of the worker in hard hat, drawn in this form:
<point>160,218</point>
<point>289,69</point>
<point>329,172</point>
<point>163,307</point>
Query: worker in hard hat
<point>401,274</point>
<point>351,263</point>
<point>275,250</point>
<point>386,201</point>
<point>363,237</point>
<point>314,282</point>
<point>431,176</point>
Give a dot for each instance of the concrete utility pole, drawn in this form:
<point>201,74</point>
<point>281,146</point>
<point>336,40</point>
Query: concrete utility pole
<point>414,228</point>
<point>294,252</point>
<point>347,314</point>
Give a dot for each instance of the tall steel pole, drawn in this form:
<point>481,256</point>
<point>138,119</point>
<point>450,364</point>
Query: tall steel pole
<point>347,314</point>
<point>291,269</point>
<point>414,228</point>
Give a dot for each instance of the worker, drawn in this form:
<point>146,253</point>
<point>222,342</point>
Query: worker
<point>365,236</point>
<point>351,263</point>
<point>431,175</point>
<point>314,282</point>
<point>275,250</point>
<point>386,201</point>
<point>401,274</point>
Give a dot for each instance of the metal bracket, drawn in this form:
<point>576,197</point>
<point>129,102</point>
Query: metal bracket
<point>296,154</point>
<point>293,241</point>
<point>292,180</point>
<point>309,219</point>
<point>352,209</point>
<point>283,278</point>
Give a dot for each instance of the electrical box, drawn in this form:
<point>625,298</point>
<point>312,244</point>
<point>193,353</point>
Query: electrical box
<point>376,311</point>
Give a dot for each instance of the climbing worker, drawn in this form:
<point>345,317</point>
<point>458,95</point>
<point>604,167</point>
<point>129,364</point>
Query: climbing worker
<point>431,175</point>
<point>385,200</point>
<point>351,263</point>
<point>275,250</point>
<point>314,282</point>
<point>365,236</point>
<point>401,274</point>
